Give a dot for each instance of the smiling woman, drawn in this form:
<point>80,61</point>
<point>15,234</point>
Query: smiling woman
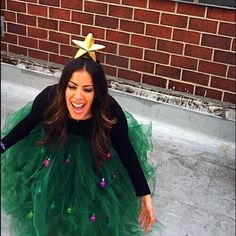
<point>69,155</point>
<point>80,95</point>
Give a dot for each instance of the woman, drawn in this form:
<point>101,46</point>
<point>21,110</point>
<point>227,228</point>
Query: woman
<point>88,168</point>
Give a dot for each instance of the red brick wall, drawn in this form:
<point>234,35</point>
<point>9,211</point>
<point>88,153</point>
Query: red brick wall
<point>178,46</point>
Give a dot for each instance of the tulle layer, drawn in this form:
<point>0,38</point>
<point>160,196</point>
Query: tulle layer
<point>61,192</point>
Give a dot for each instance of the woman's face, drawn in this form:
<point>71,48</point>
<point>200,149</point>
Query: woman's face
<point>79,95</point>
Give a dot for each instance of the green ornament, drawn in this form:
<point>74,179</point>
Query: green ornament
<point>30,215</point>
<point>69,210</point>
<point>53,205</point>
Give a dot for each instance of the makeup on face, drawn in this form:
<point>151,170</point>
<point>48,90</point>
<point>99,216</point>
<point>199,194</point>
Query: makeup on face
<point>79,95</point>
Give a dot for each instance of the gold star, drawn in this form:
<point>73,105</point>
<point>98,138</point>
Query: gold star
<point>87,46</point>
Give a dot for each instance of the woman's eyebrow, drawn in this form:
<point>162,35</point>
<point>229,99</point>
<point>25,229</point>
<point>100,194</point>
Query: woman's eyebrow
<point>73,82</point>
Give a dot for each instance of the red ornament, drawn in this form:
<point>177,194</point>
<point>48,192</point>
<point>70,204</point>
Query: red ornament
<point>108,155</point>
<point>46,162</point>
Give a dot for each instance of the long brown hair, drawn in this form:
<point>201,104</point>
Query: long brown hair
<point>56,115</point>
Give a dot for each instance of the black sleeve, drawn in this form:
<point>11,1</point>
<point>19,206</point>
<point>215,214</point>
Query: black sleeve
<point>23,128</point>
<point>120,141</point>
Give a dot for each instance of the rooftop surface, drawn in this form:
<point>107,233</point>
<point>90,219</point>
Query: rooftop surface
<point>194,152</point>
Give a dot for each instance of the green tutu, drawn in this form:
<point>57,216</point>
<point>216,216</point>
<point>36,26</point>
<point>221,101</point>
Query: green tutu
<point>60,193</point>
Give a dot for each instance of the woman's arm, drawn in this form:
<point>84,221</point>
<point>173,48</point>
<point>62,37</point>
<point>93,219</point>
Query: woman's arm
<point>22,129</point>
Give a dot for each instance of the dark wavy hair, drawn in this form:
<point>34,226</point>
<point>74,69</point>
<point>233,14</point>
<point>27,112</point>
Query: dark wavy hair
<point>56,115</point>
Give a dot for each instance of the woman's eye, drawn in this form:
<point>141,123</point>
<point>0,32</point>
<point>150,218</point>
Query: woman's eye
<point>88,90</point>
<point>71,87</point>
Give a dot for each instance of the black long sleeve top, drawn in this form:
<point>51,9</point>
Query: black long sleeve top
<point>118,135</point>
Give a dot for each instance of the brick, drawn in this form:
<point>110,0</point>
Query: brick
<point>224,57</point>
<point>48,46</point>
<point>174,20</point>
<point>198,52</point>
<point>158,57</point>
<point>232,72</point>
<point>112,1</point>
<point>82,18</point>
<point>3,4</point>
<point>212,68</point>
<point>4,47</point>
<point>229,97</point>
<point>216,41</point>
<point>143,41</point>
<point>58,59</point>
<point>221,14</point>
<point>72,4</point>
<point>116,36</point>
<point>207,92</point>
<point>222,83</point>
<point>59,37</point>
<point>9,38</point>
<point>129,75</point>
<point>100,57</point>
<point>109,47</point>
<point>16,29</point>
<point>191,9</point>
<point>132,26</point>
<point>181,87</point>
<point>168,71</point>
<point>48,23</point>
<point>147,16</point>
<point>158,31</point>
<point>110,70</point>
<point>107,22</point>
<point>117,60</point>
<point>162,5</point>
<point>195,77</point>
<point>120,11</point>
<point>17,50</point>
<point>9,16</point>
<point>95,7</point>
<point>38,54</point>
<point>227,29</point>
<point>203,25</point>
<point>143,66</point>
<point>59,13</point>
<point>170,46</point>
<point>97,32</point>
<point>135,3</point>
<point>183,62</point>
<point>69,27</point>
<point>50,2</point>
<point>16,6</point>
<point>129,51</point>
<point>34,1</point>
<point>186,36</point>
<point>26,19</point>
<point>28,42</point>
<point>68,50</point>
<point>37,33</point>
<point>233,48</point>
<point>154,80</point>
<point>38,10</point>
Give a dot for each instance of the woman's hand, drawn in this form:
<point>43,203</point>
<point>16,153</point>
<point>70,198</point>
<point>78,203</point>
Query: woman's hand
<point>147,214</point>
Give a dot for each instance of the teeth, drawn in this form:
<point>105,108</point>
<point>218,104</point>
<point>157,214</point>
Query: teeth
<point>77,105</point>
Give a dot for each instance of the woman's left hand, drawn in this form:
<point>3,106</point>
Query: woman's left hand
<point>147,214</point>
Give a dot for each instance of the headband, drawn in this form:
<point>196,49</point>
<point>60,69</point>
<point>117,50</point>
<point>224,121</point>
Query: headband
<point>87,46</point>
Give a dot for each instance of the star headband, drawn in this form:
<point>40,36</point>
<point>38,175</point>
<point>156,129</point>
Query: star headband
<point>87,46</point>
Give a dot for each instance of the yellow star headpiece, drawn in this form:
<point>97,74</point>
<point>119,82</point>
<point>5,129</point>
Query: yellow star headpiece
<point>87,46</point>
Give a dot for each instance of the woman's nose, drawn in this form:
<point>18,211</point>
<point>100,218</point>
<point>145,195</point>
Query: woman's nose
<point>78,94</point>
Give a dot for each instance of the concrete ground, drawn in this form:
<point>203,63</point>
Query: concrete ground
<point>194,152</point>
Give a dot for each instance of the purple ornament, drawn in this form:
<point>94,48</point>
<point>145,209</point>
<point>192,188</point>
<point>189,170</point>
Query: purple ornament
<point>103,183</point>
<point>108,155</point>
<point>93,218</point>
<point>68,160</point>
<point>46,162</point>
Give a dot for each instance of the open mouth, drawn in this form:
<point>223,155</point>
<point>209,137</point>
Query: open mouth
<point>78,108</point>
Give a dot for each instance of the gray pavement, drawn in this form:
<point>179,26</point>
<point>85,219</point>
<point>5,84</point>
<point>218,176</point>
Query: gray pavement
<point>194,152</point>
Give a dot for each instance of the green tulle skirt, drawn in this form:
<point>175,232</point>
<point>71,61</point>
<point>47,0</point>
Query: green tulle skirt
<point>60,193</point>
